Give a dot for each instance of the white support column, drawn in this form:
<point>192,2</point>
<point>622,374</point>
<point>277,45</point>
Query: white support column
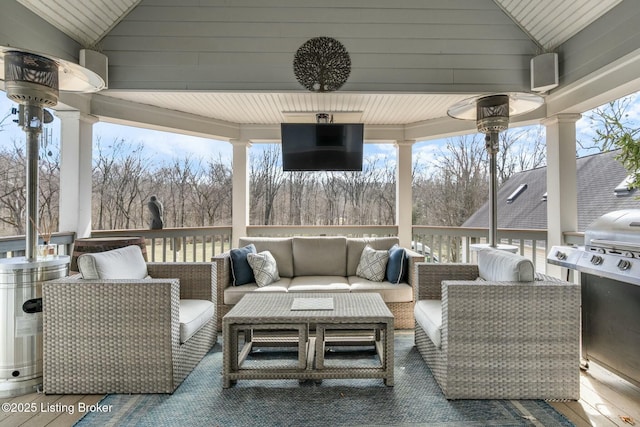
<point>76,141</point>
<point>404,194</point>
<point>562,197</point>
<point>240,195</point>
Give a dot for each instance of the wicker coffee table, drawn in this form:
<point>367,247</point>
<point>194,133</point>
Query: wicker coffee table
<point>273,313</point>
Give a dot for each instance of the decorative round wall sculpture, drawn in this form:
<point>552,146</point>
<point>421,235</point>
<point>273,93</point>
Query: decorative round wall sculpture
<point>322,64</point>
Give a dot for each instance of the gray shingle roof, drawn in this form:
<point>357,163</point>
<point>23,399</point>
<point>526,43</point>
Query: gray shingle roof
<point>597,175</point>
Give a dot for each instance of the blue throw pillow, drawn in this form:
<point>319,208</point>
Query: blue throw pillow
<point>240,269</point>
<point>397,265</point>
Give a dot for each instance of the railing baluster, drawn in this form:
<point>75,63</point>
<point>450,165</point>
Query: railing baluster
<point>447,243</point>
<point>164,249</point>
<point>152,243</point>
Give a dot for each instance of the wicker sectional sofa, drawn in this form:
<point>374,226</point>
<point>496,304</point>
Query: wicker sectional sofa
<point>318,264</point>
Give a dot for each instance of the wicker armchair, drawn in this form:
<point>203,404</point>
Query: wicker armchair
<point>500,340</point>
<point>123,336</point>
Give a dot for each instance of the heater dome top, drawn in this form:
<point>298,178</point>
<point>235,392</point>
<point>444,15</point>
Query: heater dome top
<point>71,77</point>
<point>519,103</point>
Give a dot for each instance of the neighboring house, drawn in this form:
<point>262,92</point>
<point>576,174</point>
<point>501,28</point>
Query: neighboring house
<point>601,189</point>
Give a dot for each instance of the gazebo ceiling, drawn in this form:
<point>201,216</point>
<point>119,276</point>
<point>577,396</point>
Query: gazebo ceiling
<point>549,22</point>
<point>411,59</point>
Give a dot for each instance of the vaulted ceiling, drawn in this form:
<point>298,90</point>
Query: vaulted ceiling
<point>230,63</point>
<point>549,22</point>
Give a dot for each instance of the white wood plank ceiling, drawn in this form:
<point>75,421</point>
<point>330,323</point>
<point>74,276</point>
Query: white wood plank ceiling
<point>548,22</point>
<point>552,22</point>
<point>271,108</point>
<point>85,21</point>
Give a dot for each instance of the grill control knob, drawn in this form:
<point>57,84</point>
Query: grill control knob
<point>561,255</point>
<point>601,251</point>
<point>624,265</point>
<point>628,254</point>
<point>596,260</point>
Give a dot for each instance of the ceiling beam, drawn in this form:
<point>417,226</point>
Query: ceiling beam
<point>613,81</point>
<point>128,113</point>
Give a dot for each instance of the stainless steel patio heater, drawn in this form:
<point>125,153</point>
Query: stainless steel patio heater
<point>492,113</point>
<point>32,80</point>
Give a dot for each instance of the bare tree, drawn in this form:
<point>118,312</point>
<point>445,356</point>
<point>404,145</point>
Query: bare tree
<point>297,183</point>
<point>212,193</point>
<point>49,185</point>
<point>118,177</point>
<point>267,178</point>
<point>460,182</point>
<point>12,188</point>
<point>332,187</point>
<point>102,173</point>
<point>182,173</point>
<point>520,149</point>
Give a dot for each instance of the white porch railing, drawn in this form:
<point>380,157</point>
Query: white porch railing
<point>178,244</point>
<point>14,246</point>
<point>439,244</point>
<point>453,244</point>
<point>320,230</point>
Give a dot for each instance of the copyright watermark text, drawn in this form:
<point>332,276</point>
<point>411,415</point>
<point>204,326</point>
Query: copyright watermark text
<point>44,407</point>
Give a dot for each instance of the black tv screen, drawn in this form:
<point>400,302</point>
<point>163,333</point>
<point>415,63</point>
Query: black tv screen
<point>322,147</point>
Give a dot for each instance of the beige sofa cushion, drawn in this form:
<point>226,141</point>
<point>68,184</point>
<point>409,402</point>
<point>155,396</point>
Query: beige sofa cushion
<point>390,292</point>
<point>319,284</point>
<point>233,294</point>
<point>356,245</point>
<point>320,256</point>
<point>280,248</point>
<point>503,266</point>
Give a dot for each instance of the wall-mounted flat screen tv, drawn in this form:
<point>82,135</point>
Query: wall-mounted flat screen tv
<point>322,146</point>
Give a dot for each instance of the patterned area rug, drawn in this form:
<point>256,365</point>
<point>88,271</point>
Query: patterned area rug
<point>415,399</point>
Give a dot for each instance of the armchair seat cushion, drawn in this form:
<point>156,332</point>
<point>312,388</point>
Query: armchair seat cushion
<point>194,314</point>
<point>428,315</point>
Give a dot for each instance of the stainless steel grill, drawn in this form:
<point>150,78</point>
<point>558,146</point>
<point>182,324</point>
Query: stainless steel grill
<point>611,248</point>
<point>609,266</point>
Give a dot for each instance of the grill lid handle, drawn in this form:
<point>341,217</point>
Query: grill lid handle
<point>614,244</point>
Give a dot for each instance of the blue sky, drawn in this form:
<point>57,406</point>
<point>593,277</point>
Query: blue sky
<point>164,146</point>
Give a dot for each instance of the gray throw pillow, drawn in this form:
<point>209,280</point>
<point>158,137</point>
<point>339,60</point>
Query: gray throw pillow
<point>373,264</point>
<point>264,267</point>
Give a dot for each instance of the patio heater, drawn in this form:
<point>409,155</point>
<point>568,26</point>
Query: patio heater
<point>492,113</point>
<point>33,81</point>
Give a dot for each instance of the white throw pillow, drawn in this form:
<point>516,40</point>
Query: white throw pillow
<point>121,263</point>
<point>373,264</point>
<point>502,266</point>
<point>264,268</point>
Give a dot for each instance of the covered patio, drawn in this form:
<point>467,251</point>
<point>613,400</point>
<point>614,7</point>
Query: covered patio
<point>224,71</point>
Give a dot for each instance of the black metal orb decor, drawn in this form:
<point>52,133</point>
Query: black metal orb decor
<point>322,64</point>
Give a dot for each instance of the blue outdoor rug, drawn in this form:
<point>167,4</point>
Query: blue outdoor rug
<point>415,399</point>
